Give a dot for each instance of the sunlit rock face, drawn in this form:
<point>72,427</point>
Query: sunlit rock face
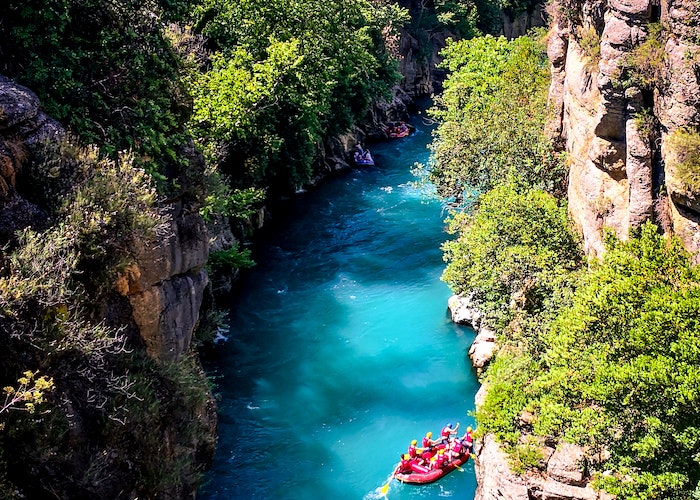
<point>166,285</point>
<point>616,130</point>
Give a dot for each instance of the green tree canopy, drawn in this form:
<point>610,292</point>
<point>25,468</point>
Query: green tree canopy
<point>492,116</point>
<point>516,246</point>
<point>284,75</point>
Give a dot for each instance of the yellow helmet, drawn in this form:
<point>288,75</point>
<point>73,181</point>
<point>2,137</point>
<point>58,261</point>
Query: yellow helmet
<point>442,451</point>
<point>428,434</point>
<point>469,429</point>
<point>414,442</point>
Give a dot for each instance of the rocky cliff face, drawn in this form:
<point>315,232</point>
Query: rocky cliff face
<point>161,293</point>
<point>622,90</point>
<point>166,286</point>
<point>166,283</point>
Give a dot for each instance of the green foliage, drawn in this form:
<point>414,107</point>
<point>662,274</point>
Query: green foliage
<point>644,65</point>
<point>284,76</point>
<point>225,261</point>
<point>684,148</point>
<point>646,122</point>
<point>589,40</point>
<point>223,201</point>
<point>620,372</point>
<point>507,377</point>
<point>525,456</point>
<point>48,284</point>
<point>517,246</point>
<point>461,18</point>
<point>103,68</point>
<point>621,369</point>
<point>493,85</point>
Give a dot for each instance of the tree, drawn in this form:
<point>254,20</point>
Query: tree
<point>517,245</point>
<point>494,85</point>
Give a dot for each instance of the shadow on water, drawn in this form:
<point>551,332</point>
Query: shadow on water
<point>340,349</point>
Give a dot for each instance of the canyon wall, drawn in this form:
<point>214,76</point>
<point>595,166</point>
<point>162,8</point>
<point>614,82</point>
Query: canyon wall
<point>625,87</point>
<point>154,302</point>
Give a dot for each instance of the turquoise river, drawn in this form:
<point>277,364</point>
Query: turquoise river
<point>340,349</point>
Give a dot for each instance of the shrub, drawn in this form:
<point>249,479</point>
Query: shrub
<point>684,144</point>
<point>589,41</point>
<point>517,245</point>
<point>645,63</point>
<point>225,261</point>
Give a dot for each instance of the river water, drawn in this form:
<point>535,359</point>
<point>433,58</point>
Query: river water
<point>340,349</point>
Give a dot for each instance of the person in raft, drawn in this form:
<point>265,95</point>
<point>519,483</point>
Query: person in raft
<point>413,452</point>
<point>438,460</point>
<point>448,432</point>
<point>404,466</point>
<point>429,443</point>
<point>455,449</point>
<point>467,440</point>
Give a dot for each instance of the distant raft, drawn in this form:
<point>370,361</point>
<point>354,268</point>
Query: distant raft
<point>363,158</point>
<point>398,131</point>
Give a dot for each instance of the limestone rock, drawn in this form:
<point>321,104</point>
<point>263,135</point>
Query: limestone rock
<point>554,490</point>
<point>563,480</point>
<point>480,395</point>
<point>495,479</point>
<point>513,27</point>
<point>167,315</point>
<point>483,349</point>
<point>182,245</point>
<point>616,165</point>
<point>166,285</point>
<point>632,7</point>
<point>567,465</point>
<point>17,103</point>
<point>464,311</point>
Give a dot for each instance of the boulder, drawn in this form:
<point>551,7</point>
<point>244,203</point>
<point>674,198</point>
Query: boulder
<point>554,490</point>
<point>18,104</point>
<point>483,349</point>
<point>568,465</point>
<point>463,310</point>
<point>480,395</point>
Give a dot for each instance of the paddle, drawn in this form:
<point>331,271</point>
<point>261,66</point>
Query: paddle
<point>385,488</point>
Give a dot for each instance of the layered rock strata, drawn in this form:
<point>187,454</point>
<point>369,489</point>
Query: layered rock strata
<point>617,107</point>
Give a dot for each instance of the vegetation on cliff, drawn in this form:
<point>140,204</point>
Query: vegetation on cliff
<point>494,85</point>
<point>97,432</point>
<point>604,353</point>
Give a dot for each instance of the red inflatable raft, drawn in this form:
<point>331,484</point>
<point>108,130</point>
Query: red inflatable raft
<point>423,475</point>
